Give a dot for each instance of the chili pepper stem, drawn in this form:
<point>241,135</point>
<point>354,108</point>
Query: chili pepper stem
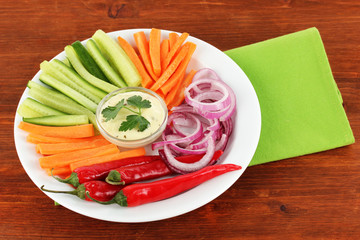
<point>73,179</point>
<point>80,191</point>
<point>119,198</point>
<point>114,178</point>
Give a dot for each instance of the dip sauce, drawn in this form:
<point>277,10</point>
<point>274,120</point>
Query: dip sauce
<point>155,115</point>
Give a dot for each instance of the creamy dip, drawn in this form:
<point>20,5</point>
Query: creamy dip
<point>155,115</point>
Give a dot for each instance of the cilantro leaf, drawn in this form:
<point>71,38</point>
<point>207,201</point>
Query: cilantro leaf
<point>134,120</point>
<point>138,102</point>
<point>110,112</point>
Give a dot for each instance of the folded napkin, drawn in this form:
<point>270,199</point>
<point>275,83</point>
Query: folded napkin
<point>301,106</point>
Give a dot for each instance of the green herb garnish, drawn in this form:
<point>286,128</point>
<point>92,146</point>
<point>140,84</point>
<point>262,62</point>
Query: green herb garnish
<point>133,120</point>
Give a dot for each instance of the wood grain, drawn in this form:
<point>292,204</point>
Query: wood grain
<point>310,197</point>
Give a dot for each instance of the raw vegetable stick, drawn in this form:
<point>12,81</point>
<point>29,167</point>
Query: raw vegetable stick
<point>59,101</point>
<point>55,148</point>
<point>79,131</point>
<point>108,158</point>
<point>147,81</point>
<point>180,91</point>
<point>173,50</point>
<point>171,69</point>
<point>154,50</point>
<point>118,58</point>
<point>180,71</point>
<point>58,171</point>
<point>173,94</point>
<point>143,48</point>
<point>38,138</point>
<point>164,49</point>
<point>173,37</point>
<point>83,72</point>
<point>66,158</point>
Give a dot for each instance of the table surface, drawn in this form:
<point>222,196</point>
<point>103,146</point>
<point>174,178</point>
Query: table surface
<point>315,196</point>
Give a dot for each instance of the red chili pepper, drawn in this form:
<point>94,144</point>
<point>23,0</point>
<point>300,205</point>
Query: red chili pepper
<point>141,193</point>
<point>100,171</point>
<point>101,191</point>
<point>142,172</point>
<point>129,174</point>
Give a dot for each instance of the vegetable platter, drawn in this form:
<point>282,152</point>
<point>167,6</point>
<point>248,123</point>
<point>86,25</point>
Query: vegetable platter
<point>240,147</point>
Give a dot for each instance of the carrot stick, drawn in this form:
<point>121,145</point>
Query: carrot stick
<point>78,131</point>
<point>154,50</point>
<point>173,37</point>
<point>171,69</point>
<point>66,158</point>
<point>143,48</point>
<point>58,171</point>
<point>164,49</point>
<point>180,91</point>
<point>107,158</point>
<point>54,148</point>
<point>172,94</point>
<point>180,71</point>
<point>174,49</point>
<point>130,51</point>
<point>37,138</point>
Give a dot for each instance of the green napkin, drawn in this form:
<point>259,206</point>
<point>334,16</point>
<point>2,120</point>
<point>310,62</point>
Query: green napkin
<point>300,103</point>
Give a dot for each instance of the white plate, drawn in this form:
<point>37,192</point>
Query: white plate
<point>240,150</point>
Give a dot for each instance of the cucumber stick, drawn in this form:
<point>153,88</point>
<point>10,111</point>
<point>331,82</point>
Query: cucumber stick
<point>61,120</point>
<point>87,60</point>
<point>68,91</point>
<point>48,68</point>
<point>76,78</point>
<point>59,101</point>
<point>118,58</point>
<point>81,70</point>
<point>109,71</point>
<point>30,108</point>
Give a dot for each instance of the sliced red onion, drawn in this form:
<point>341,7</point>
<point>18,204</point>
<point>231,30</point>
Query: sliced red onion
<point>209,106</point>
<point>205,73</point>
<point>208,109</point>
<point>198,131</point>
<point>184,168</point>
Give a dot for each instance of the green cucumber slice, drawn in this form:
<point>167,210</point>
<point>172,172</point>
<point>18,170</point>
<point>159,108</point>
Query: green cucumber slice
<point>81,70</point>
<point>48,68</point>
<point>87,60</point>
<point>31,108</point>
<point>68,91</point>
<point>62,120</point>
<point>118,58</point>
<point>59,101</point>
<point>75,77</point>
<point>109,71</point>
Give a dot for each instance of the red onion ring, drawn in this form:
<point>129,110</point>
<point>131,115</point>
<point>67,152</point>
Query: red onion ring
<point>208,109</point>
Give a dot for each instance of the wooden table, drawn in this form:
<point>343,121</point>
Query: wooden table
<point>310,197</point>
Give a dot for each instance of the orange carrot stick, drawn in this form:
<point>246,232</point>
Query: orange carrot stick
<point>164,49</point>
<point>171,69</point>
<point>180,71</point>
<point>154,50</point>
<point>130,51</point>
<point>173,37</point>
<point>107,158</point>
<point>174,49</point>
<point>37,138</point>
<point>143,47</point>
<point>66,158</point>
<point>172,94</point>
<point>78,131</point>
<point>180,90</point>
<point>55,148</point>
<point>58,171</point>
